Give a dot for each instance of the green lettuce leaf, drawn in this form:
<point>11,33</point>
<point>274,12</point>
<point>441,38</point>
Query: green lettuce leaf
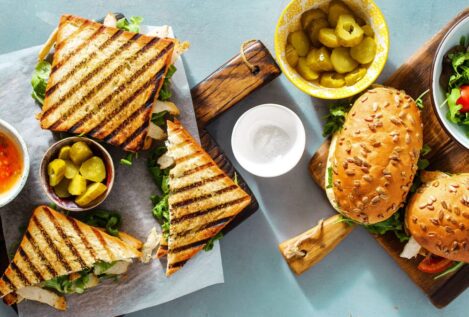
<point>131,25</point>
<point>165,91</point>
<point>211,242</point>
<point>109,220</point>
<point>453,107</point>
<point>336,118</point>
<point>64,285</point>
<point>39,81</point>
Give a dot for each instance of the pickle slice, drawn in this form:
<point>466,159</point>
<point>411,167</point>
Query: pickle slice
<point>70,169</point>
<point>80,152</point>
<point>93,169</point>
<point>92,192</point>
<point>56,171</point>
<point>77,185</point>
<point>300,42</point>
<point>348,31</point>
<point>64,152</point>
<point>332,80</point>
<point>61,189</point>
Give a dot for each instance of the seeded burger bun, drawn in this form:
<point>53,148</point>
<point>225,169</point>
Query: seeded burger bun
<point>373,159</point>
<point>437,216</point>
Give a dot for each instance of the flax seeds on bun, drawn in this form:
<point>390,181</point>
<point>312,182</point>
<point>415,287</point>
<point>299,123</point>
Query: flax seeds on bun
<point>373,159</point>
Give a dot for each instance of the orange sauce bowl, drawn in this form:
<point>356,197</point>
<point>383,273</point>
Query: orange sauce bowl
<point>14,163</point>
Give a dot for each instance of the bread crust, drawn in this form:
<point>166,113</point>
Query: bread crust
<point>437,216</point>
<point>374,157</point>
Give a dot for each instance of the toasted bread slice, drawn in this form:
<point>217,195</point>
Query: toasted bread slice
<point>202,199</point>
<point>56,245</point>
<point>103,82</point>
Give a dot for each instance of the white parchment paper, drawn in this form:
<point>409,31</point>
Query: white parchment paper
<point>145,284</point>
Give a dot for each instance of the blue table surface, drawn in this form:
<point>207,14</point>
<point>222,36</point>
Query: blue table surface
<point>358,278</point>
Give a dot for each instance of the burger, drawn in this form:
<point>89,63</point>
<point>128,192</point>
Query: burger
<point>373,159</point>
<point>437,218</point>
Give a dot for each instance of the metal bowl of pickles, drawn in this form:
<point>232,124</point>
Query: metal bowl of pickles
<point>332,49</point>
<point>77,173</point>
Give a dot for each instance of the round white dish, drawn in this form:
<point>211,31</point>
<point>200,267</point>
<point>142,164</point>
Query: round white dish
<point>268,140</point>
<point>11,132</point>
<point>450,40</point>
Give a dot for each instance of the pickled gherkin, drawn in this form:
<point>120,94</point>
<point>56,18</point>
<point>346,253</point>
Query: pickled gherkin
<point>291,55</point>
<point>92,192</point>
<point>61,189</point>
<point>311,15</point>
<point>319,59</point>
<point>342,61</point>
<point>305,71</point>
<point>80,152</point>
<point>364,52</point>
<point>313,30</point>
<point>70,169</point>
<point>332,80</point>
<point>368,30</point>
<point>336,9</point>
<point>77,185</point>
<point>56,171</point>
<point>348,31</point>
<point>333,46</point>
<point>328,38</point>
<point>93,169</point>
<point>354,76</point>
<point>299,41</point>
<point>64,152</point>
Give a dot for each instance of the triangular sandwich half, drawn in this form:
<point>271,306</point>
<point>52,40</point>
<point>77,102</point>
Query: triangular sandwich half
<point>202,198</point>
<point>103,82</point>
<point>60,255</point>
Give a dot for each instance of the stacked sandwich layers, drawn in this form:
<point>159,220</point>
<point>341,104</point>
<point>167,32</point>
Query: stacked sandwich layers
<point>55,245</point>
<point>103,82</point>
<point>202,200</point>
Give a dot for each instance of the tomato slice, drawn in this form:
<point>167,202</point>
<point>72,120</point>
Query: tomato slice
<point>463,100</point>
<point>434,264</point>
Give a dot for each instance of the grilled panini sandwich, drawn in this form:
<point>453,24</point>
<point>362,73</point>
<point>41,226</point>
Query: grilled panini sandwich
<point>60,255</point>
<point>103,82</point>
<point>202,199</point>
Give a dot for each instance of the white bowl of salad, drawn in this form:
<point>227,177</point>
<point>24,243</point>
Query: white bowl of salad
<point>450,82</point>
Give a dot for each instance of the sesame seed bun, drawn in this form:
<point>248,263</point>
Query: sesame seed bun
<point>373,159</point>
<point>437,216</point>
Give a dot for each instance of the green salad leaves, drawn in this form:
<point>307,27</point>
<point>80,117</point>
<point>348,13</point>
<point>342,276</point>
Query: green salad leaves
<point>109,220</point>
<point>211,242</point>
<point>336,118</point>
<point>459,59</point>
<point>63,284</point>
<point>161,178</point>
<point>131,25</point>
<point>39,81</point>
<point>165,91</point>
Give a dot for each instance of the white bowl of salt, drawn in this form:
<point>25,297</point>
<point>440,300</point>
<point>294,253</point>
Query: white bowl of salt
<point>268,140</point>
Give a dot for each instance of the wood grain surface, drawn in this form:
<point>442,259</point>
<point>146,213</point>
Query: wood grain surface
<point>414,77</point>
<point>233,81</point>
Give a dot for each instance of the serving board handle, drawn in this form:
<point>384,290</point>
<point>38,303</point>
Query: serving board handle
<point>233,81</point>
<point>305,250</point>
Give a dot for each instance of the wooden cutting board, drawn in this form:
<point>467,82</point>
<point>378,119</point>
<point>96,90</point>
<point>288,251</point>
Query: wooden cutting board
<point>414,76</point>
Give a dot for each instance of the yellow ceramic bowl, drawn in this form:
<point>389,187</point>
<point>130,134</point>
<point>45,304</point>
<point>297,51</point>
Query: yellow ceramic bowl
<point>289,21</point>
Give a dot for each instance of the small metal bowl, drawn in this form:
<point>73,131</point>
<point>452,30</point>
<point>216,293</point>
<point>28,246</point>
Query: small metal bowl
<point>69,203</point>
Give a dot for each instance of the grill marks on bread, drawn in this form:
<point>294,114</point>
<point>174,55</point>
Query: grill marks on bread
<point>56,245</point>
<point>103,82</point>
<point>202,200</point>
